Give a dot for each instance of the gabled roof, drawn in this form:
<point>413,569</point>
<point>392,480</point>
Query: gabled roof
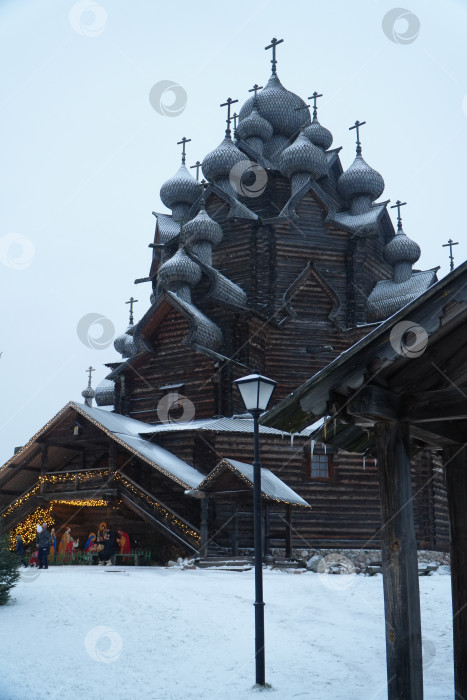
<point>273,489</point>
<point>126,432</point>
<point>218,425</point>
<point>347,372</point>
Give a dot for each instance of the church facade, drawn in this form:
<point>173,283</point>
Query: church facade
<point>278,260</point>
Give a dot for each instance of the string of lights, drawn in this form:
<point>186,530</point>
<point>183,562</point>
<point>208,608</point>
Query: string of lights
<point>159,508</point>
<point>28,527</point>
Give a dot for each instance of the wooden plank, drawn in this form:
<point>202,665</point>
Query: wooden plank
<point>400,565</point>
<point>456,482</point>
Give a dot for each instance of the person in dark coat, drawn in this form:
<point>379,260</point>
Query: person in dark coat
<point>43,542</point>
<point>109,547</point>
<point>19,549</point>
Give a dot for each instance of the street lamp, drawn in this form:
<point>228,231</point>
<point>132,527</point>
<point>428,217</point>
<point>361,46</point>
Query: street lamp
<point>256,392</point>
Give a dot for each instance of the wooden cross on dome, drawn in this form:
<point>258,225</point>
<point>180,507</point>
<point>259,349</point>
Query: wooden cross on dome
<point>184,141</point>
<point>314,97</point>
<point>398,206</point>
<point>274,43</point>
<point>90,370</point>
<point>235,117</point>
<point>228,104</point>
<point>197,165</point>
<point>131,301</point>
<point>356,126</point>
<point>449,245</point>
<point>255,89</point>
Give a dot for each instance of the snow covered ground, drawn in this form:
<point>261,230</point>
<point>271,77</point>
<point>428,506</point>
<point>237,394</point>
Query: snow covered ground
<point>156,633</point>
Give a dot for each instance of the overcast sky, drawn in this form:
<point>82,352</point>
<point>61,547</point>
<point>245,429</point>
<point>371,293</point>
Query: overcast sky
<point>84,152</point>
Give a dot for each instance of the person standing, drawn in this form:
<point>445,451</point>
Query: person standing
<point>19,549</point>
<point>43,542</point>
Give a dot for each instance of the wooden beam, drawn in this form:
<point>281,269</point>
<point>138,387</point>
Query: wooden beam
<point>456,484</point>
<point>436,406</point>
<point>373,404</point>
<point>99,492</point>
<point>400,565</point>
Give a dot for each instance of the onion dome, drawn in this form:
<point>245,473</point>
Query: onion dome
<point>319,135</point>
<point>88,393</point>
<point>303,157</point>
<point>105,393</point>
<point>124,344</point>
<point>203,228</point>
<point>278,106</point>
<point>360,180</point>
<point>218,164</point>
<point>180,192</point>
<point>402,249</point>
<point>254,126</point>
<point>179,274</point>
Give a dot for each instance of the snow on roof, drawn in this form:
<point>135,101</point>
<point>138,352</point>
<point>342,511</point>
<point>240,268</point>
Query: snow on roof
<point>271,486</point>
<point>126,431</point>
<point>226,425</point>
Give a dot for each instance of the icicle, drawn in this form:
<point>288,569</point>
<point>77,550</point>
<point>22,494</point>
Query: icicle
<point>291,439</point>
<point>325,447</point>
<point>364,462</point>
<point>312,447</point>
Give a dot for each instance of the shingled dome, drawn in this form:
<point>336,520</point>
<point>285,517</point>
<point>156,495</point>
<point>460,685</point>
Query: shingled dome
<point>360,179</point>
<point>182,188</point>
<point>319,135</point>
<point>254,125</point>
<point>303,157</point>
<point>105,393</point>
<point>203,228</point>
<point>402,249</point>
<point>218,164</point>
<point>279,107</point>
<point>179,269</point>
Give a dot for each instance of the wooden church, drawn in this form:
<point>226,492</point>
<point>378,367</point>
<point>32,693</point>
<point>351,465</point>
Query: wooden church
<point>278,260</point>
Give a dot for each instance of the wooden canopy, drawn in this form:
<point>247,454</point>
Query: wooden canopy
<point>402,387</point>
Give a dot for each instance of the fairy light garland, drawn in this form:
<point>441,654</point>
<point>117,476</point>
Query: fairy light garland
<point>88,503</point>
<point>159,508</point>
<point>28,527</point>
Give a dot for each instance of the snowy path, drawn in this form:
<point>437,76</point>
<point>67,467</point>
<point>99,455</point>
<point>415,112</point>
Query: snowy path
<point>155,633</point>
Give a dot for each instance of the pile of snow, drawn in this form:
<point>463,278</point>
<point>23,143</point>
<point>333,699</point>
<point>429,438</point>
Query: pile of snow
<point>180,633</point>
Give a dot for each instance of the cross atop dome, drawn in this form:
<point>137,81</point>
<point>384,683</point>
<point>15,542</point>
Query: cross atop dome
<point>90,370</point>
<point>255,89</point>
<point>449,245</point>
<point>131,301</point>
<point>274,43</point>
<point>228,104</point>
<point>314,97</point>
<point>184,141</point>
<point>398,206</point>
<point>357,126</point>
<point>197,165</point>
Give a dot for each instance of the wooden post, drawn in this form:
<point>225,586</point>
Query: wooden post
<point>288,532</point>
<point>44,467</point>
<point>400,565</point>
<point>203,548</point>
<point>266,529</point>
<point>456,485</point>
<point>234,539</point>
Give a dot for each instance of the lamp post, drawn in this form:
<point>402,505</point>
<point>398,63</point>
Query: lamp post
<point>256,392</point>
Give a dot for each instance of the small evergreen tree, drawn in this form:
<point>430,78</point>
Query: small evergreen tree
<point>9,569</point>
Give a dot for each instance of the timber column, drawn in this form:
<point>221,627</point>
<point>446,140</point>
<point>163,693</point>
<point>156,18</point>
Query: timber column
<point>455,461</point>
<point>400,563</point>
